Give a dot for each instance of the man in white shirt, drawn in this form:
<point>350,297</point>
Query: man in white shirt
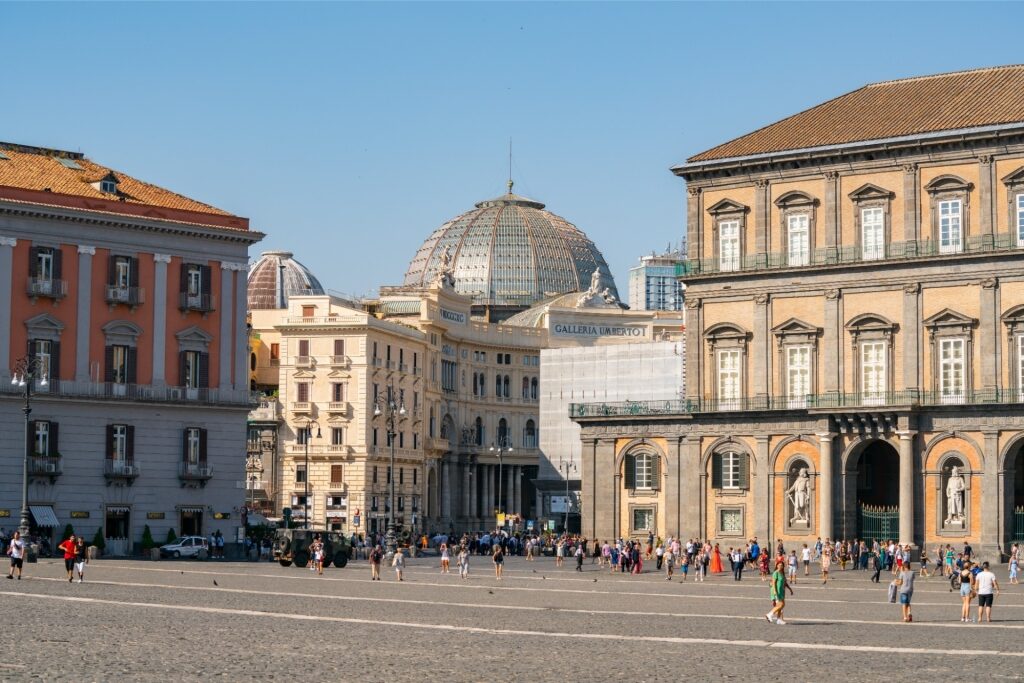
<point>16,551</point>
<point>987,586</point>
<point>806,558</point>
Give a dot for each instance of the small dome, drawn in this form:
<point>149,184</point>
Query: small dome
<point>265,290</point>
<point>510,252</point>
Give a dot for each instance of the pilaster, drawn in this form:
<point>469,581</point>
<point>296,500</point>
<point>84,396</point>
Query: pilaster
<point>911,334</point>
<point>832,209</point>
<point>762,237</point>
<point>446,490</point>
<point>986,195</point>
<point>467,486</point>
<point>226,318</point>
<point>988,335</point>
<point>694,348</point>
<point>160,317</point>
<point>761,347</point>
<point>690,488</point>
<point>7,245</point>
<point>241,326</point>
<point>84,308</point>
<point>517,501</point>
<point>509,490</point>
<point>694,223</point>
<point>826,486</point>
<point>993,501</point>
<point>762,490</point>
<point>906,486</point>
<point>911,203</point>
<point>831,342</point>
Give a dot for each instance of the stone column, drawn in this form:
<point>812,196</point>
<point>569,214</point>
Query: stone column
<point>826,485</point>
<point>83,325</point>
<point>832,228</point>
<point>988,336</point>
<point>474,493</point>
<point>445,494</point>
<point>508,505</point>
<point>831,344</point>
<point>467,484</point>
<point>911,201</point>
<point>241,327</point>
<point>7,245</point>
<point>226,311</point>
<point>993,507</point>
<point>761,348</point>
<point>488,506</point>
<point>906,486</point>
<point>762,233</point>
<point>694,224</point>
<point>517,495</point>
<point>986,195</point>
<point>911,333</point>
<point>160,318</point>
<point>762,490</point>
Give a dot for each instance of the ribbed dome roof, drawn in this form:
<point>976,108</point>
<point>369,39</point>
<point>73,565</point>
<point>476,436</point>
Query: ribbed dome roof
<point>264,289</point>
<point>510,252</point>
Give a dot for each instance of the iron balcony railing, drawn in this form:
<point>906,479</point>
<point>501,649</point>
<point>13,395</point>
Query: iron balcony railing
<point>120,469</point>
<point>45,465</point>
<point>129,296</point>
<point>46,287</point>
<point>146,393</point>
<point>851,254</point>
<point>196,302</point>
<point>908,397</point>
<point>190,471</point>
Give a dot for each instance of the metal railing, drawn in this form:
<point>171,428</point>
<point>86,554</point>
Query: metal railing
<point>1018,524</point>
<point>907,397</point>
<point>850,254</point>
<point>145,393</point>
<point>340,361</point>
<point>341,407</point>
<point>303,361</point>
<point>120,469</point>
<point>878,521</point>
<point>190,471</point>
<point>196,302</point>
<point>45,465</point>
<point>50,288</point>
<point>302,407</point>
<point>130,296</point>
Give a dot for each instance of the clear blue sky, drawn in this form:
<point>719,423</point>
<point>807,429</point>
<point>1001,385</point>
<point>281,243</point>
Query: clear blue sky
<point>348,132</point>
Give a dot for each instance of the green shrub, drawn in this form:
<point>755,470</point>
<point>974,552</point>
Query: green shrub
<point>69,531</point>
<point>97,540</point>
<point>147,538</point>
<point>171,537</point>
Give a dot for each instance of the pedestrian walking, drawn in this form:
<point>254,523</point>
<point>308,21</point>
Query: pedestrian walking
<point>81,558</point>
<point>316,553</point>
<point>905,582</point>
<point>463,560</point>
<point>737,564</point>
<point>560,552</point>
<point>16,551</point>
<point>967,592</point>
<point>376,556</point>
<point>398,562</point>
<point>1014,562</point>
<point>499,560</point>
<point>779,586</point>
<point>445,558</point>
<point>68,546</point>
<point>791,567</point>
<point>579,558</point>
<point>876,556</point>
<point>987,587</point>
<point>805,557</point>
<point>826,563</point>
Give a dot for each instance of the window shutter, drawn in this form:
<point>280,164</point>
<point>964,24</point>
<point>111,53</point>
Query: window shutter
<point>716,470</point>
<point>202,445</point>
<point>133,355</point>
<point>184,445</point>
<point>110,442</point>
<point>58,258</point>
<point>54,439</point>
<point>206,276</point>
<point>111,269</point>
<point>655,472</point>
<point>339,347</point>
<point>133,272</point>
<point>183,282</point>
<point>744,471</point>
<point>54,360</point>
<point>33,261</point>
<point>303,347</point>
<point>204,370</point>
<point>181,368</point>
<point>129,443</point>
<point>108,364</point>
<point>630,467</point>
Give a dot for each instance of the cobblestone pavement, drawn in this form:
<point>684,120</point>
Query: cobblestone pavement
<point>134,620</point>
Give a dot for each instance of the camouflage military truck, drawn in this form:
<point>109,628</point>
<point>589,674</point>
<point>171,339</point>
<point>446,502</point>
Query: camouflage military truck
<point>292,546</point>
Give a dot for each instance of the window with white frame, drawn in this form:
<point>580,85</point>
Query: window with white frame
<point>194,281</point>
<point>191,373</point>
<point>42,348</point>
<point>729,245</point>
<point>950,226</point>
<point>644,471</point>
<point>44,265</point>
<point>1020,365</point>
<point>951,369</point>
<point>119,442</point>
<point>873,373</point>
<point>643,519</point>
<point>730,470</point>
<point>193,445</point>
<point>798,239</point>
<point>729,377</point>
<point>872,225</point>
<point>1020,219</point>
<point>798,374</point>
<point>42,438</point>
<point>337,436</point>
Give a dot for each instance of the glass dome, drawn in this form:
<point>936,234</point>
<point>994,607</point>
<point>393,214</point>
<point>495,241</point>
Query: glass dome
<point>510,252</point>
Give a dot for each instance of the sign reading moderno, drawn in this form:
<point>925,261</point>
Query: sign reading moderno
<point>583,330</point>
<point>453,316</point>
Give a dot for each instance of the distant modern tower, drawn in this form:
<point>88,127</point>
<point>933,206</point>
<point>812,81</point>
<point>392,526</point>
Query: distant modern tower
<point>653,285</point>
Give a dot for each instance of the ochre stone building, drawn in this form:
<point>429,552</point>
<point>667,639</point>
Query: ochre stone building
<point>855,309</point>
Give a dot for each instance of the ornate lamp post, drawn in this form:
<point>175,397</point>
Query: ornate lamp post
<point>309,435</point>
<point>388,407</point>
<point>26,371</point>
<point>567,465</point>
<point>502,446</point>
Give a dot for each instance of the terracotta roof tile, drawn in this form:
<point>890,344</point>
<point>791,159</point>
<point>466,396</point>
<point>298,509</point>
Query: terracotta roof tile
<point>30,168</point>
<point>890,109</point>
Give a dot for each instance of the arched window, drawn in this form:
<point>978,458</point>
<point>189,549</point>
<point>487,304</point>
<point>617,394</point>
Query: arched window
<point>502,431</point>
<point>530,434</point>
<point>497,386</point>
<point>479,432</point>
<point>507,384</point>
<point>533,388</point>
<point>475,385</point>
<point>642,470</point>
<point>526,387</point>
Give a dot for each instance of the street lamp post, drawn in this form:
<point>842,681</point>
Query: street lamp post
<point>387,406</point>
<point>305,478</point>
<point>503,445</point>
<point>26,371</point>
<point>567,465</point>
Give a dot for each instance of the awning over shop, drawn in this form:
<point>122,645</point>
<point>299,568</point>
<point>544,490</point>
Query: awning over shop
<point>44,516</point>
<point>117,509</point>
<point>191,508</point>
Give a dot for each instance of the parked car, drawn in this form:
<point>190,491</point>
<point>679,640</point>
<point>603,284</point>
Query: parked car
<point>186,546</point>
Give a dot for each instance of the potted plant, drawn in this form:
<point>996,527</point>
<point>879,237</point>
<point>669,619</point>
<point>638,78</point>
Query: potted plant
<point>98,544</point>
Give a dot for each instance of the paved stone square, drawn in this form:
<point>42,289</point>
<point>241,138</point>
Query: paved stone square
<point>134,620</point>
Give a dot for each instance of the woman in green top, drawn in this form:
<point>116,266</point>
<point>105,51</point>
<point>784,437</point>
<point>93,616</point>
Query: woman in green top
<point>778,592</point>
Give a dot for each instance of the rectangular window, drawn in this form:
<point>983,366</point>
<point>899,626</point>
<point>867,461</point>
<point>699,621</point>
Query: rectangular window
<point>338,392</point>
<point>308,311</point>
<point>798,375</point>
<point>336,474</point>
<point>729,245</point>
<point>193,443</point>
<point>401,475</point>
<point>729,379</point>
<point>42,438</point>
<point>376,438</point>
<point>872,228</point>
<point>731,520</point>
<point>41,350</point>
<point>873,373</point>
<point>303,348</point>
<point>122,272</point>
<point>339,347</point>
<point>414,472</point>
<point>275,352</point>
<point>302,392</point>
<point>194,281</point>
<point>950,226</point>
<point>1020,220</point>
<point>337,436</point>
<point>415,440</point>
<point>798,237</point>
<point>952,382</point>
<point>119,364</point>
<point>401,439</point>
<point>300,474</point>
<point>119,442</point>
<point>191,373</point>
<point>1020,367</point>
<point>374,474</point>
<point>643,519</point>
<point>730,470</point>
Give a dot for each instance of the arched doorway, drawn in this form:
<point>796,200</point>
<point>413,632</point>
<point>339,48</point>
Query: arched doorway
<point>1016,525</point>
<point>874,497</point>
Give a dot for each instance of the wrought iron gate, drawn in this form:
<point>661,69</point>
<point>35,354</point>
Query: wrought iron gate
<point>880,521</point>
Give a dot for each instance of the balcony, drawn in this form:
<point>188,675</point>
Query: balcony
<point>907,398</point>
<point>378,362</point>
<point>204,303</point>
<point>402,367</point>
<point>304,361</point>
<point>268,410</point>
<point>436,444</point>
<point>195,472</point>
<point>339,407</point>
<point>141,393</point>
<point>45,466</point>
<point>128,296</point>
<point>302,407</point>
<point>340,361</point>
<point>318,449</point>
<point>847,255</point>
<point>46,288</point>
<point>120,470</point>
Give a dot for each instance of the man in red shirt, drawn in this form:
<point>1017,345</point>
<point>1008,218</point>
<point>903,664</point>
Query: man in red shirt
<point>68,546</point>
